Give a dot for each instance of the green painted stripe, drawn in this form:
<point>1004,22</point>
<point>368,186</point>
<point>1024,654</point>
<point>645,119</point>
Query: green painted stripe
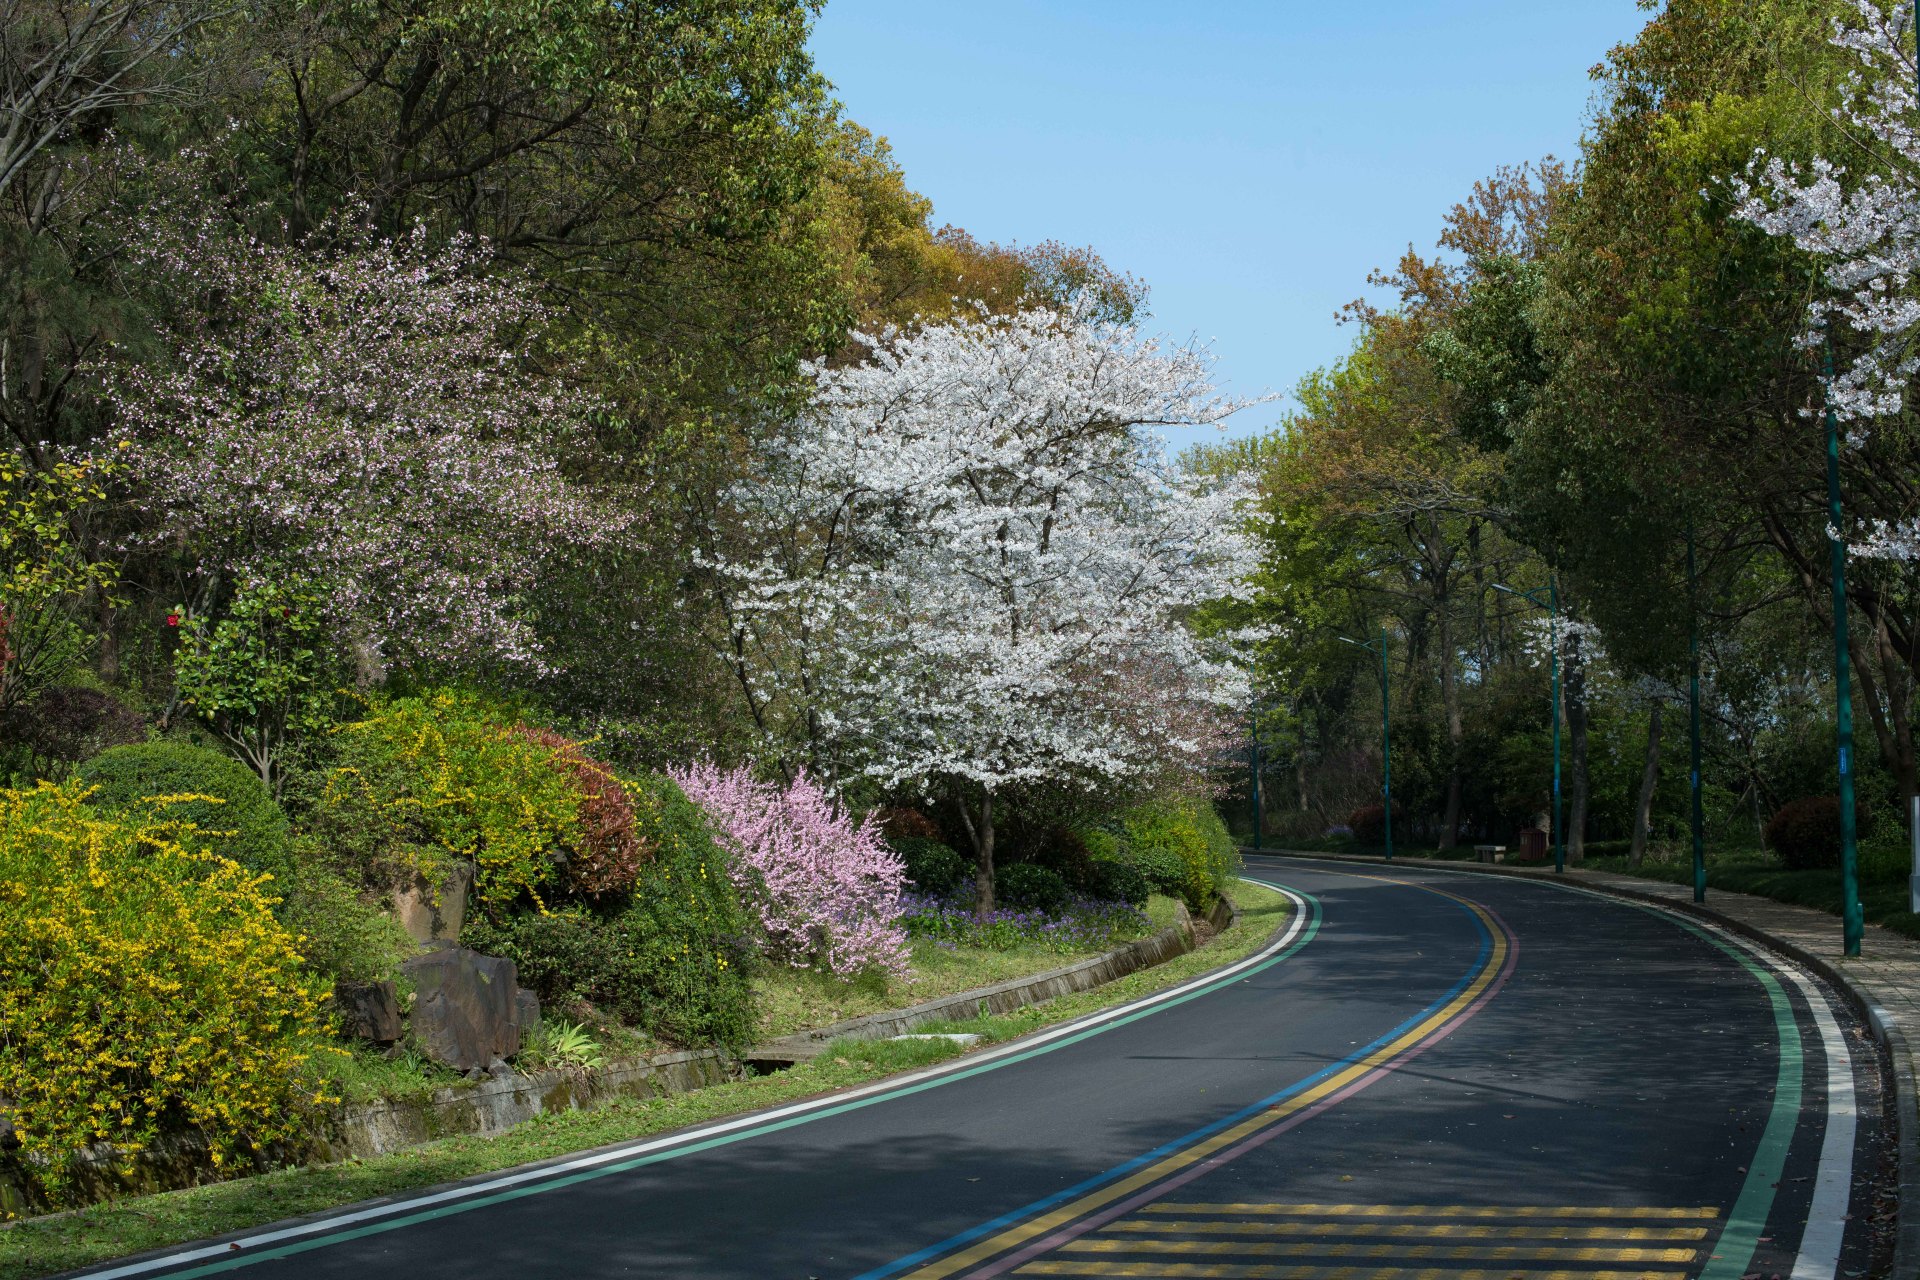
<point>1747,1221</point>
<point>445,1211</point>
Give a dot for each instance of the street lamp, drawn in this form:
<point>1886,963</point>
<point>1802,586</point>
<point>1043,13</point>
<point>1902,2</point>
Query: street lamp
<point>1851,920</point>
<point>1552,606</point>
<point>1693,721</point>
<point>1386,731</point>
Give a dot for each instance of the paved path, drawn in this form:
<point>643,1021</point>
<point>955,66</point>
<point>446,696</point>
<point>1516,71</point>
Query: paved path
<point>1429,1077</point>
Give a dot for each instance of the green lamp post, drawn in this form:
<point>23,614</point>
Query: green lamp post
<point>1852,920</point>
<point>1552,606</point>
<point>1386,732</point>
<point>1693,718</point>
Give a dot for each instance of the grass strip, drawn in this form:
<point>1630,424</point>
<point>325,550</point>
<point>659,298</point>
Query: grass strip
<point>61,1242</point>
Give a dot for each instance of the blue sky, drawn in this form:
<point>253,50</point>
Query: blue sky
<point>1250,161</point>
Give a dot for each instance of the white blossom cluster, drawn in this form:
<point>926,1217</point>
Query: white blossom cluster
<point>976,562</point>
<point>1869,237</point>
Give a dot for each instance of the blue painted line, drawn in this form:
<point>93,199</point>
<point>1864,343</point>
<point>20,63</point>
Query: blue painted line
<point>1168,1148</point>
<point>1154,1004</point>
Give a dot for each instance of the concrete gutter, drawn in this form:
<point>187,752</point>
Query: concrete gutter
<point>1887,1028</point>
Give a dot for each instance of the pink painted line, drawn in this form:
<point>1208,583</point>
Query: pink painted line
<point>1074,1230</point>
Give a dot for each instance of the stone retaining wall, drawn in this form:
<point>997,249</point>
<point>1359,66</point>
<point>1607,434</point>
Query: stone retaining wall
<point>494,1106</point>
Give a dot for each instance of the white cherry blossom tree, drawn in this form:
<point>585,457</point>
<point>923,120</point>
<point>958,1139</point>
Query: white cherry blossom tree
<point>1867,232</point>
<point>976,566</point>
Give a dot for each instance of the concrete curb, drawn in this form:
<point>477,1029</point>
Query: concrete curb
<point>494,1106</point>
<point>1906,1094</point>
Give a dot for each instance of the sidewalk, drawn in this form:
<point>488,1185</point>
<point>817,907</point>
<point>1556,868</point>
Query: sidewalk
<point>1883,982</point>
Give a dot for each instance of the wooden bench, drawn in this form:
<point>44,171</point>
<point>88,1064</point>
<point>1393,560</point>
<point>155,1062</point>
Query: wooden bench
<point>1490,852</point>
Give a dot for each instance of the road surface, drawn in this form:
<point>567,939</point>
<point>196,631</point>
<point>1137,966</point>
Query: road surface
<point>1428,1076</point>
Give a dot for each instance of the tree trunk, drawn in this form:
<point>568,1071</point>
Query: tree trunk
<point>1649,779</point>
<point>1456,728</point>
<point>980,832</point>
<point>1576,696</point>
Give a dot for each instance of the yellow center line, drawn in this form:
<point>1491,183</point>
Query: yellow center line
<point>1257,1271</point>
<point>1038,1226</point>
<point>1443,1210</point>
<point>1349,1249</point>
<point>1401,1230</point>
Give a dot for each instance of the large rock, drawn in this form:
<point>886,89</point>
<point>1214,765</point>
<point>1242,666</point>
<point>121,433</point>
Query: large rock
<point>466,1007</point>
<point>433,912</point>
<point>526,1015</point>
<point>368,1010</point>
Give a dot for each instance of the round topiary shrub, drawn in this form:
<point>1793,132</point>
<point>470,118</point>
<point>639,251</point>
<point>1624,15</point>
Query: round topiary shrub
<point>1118,881</point>
<point>1806,833</point>
<point>1030,887</point>
<point>145,990</point>
<point>179,783</point>
<point>1368,824</point>
<point>933,867</point>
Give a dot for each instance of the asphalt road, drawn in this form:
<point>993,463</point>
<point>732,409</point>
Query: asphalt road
<point>1433,1075</point>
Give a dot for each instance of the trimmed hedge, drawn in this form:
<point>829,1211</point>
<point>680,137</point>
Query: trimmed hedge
<point>1031,887</point>
<point>933,867</point>
<point>225,800</point>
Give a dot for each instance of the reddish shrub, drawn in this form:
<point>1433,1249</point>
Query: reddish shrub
<point>1369,824</point>
<point>608,851</point>
<point>903,822</point>
<point>1806,833</point>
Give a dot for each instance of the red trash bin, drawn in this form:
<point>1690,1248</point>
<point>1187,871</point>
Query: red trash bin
<point>1533,845</point>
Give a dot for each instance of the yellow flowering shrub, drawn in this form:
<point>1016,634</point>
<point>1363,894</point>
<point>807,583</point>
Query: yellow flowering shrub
<point>446,776</point>
<point>145,987</point>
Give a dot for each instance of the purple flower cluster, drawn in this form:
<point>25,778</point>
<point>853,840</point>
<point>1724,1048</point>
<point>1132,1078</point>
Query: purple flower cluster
<point>1084,924</point>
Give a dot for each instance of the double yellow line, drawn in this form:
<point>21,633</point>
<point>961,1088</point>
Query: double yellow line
<point>1348,1077</point>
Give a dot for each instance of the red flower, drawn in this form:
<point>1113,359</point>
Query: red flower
<point>173,619</point>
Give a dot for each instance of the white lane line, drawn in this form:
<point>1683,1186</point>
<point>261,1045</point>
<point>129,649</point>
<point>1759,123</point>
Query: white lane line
<point>753,1120</point>
<point>1825,1232</point>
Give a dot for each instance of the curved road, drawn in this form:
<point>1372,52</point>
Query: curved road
<point>1431,1075</point>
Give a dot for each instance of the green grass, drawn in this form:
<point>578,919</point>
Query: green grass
<point>1883,902</point>
<point>792,1000</point>
<point>40,1246</point>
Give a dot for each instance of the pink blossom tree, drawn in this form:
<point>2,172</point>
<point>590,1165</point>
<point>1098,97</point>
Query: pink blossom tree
<point>826,890</point>
<point>370,412</point>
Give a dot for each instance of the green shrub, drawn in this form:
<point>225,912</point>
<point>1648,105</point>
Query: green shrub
<point>1806,833</point>
<point>670,957</point>
<point>934,867</point>
<point>1031,887</point>
<point>1183,849</point>
<point>225,797</point>
<point>337,933</point>
<point>1885,856</point>
<point>1117,881</point>
<point>145,988</point>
